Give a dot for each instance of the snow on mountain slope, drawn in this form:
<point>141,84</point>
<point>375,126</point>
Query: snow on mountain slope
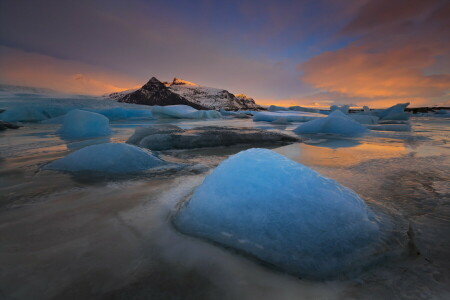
<point>212,98</point>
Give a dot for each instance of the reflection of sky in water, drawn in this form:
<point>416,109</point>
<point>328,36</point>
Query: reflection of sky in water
<point>340,153</point>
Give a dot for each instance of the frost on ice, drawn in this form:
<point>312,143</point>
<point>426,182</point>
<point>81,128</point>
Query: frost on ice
<point>284,214</point>
<point>335,123</point>
<point>109,158</point>
<point>79,124</point>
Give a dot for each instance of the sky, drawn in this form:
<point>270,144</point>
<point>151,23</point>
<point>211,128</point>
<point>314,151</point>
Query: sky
<point>303,52</point>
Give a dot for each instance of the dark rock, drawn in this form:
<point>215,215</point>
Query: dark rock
<point>155,92</point>
<point>6,125</point>
<point>171,137</point>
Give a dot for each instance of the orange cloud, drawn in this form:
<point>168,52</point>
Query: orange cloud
<point>395,58</point>
<point>31,69</point>
<point>358,72</point>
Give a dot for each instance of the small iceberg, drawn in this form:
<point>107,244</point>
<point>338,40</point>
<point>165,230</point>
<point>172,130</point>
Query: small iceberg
<point>291,116</point>
<point>185,112</point>
<point>80,124</point>
<point>396,112</point>
<point>335,123</point>
<point>107,158</point>
<point>283,213</point>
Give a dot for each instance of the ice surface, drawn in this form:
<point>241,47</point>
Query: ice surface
<point>335,123</point>
<point>185,112</point>
<point>289,116</point>
<point>284,213</point>
<point>79,124</point>
<point>109,158</point>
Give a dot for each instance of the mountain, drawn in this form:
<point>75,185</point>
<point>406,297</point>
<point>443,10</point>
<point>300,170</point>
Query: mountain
<point>154,92</point>
<point>212,98</point>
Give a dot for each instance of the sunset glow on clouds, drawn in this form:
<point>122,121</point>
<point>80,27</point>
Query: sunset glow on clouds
<point>375,52</point>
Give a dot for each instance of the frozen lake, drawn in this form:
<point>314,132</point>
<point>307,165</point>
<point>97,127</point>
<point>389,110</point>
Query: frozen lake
<point>80,237</point>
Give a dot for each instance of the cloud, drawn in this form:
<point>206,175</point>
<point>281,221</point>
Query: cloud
<point>395,56</point>
<point>31,69</point>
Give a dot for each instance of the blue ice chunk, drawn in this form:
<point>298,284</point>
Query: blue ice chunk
<point>335,123</point>
<point>80,124</point>
<point>284,214</point>
<point>396,112</point>
<point>109,158</point>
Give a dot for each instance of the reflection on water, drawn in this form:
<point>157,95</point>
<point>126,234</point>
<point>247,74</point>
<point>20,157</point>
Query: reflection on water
<point>342,153</point>
<point>63,237</point>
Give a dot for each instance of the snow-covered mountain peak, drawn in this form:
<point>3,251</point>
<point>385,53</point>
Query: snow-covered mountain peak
<point>179,81</point>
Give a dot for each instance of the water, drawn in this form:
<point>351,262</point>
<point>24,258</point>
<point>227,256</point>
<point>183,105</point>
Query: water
<point>82,237</point>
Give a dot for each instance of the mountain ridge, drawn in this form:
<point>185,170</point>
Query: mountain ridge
<point>198,96</point>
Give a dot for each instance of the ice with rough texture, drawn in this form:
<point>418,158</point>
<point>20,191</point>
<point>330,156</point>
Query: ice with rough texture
<point>80,124</point>
<point>108,158</point>
<point>185,112</point>
<point>283,213</point>
<point>335,123</point>
<point>288,116</point>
